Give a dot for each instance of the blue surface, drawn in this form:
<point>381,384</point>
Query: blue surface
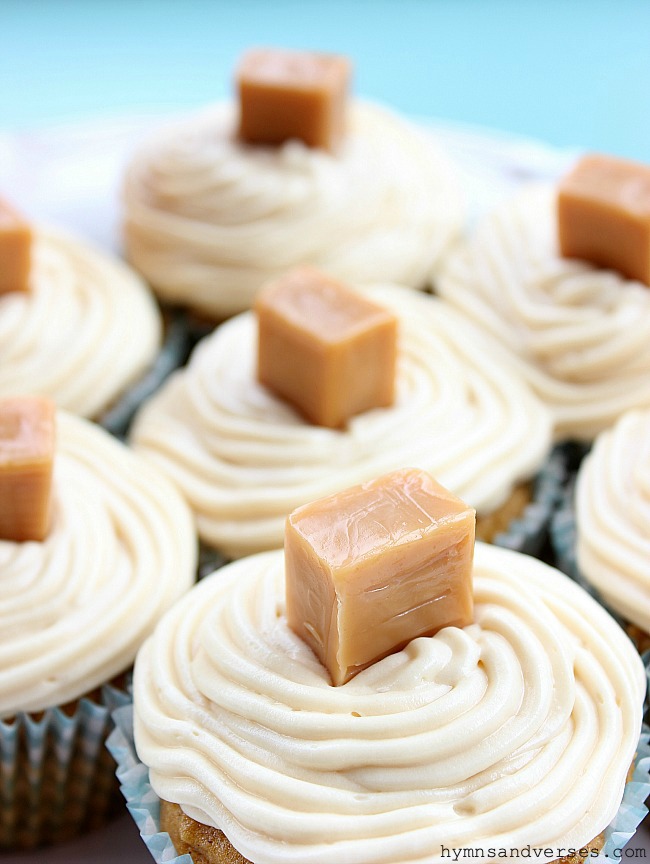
<point>570,72</point>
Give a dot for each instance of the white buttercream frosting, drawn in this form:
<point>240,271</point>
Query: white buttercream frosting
<point>244,459</point>
<point>208,219</point>
<point>613,517</point>
<point>86,330</point>
<point>516,730</point>
<point>580,335</point>
<point>121,549</point>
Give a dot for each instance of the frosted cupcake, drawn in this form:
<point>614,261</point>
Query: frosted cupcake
<point>75,324</point>
<point>226,200</point>
<point>577,324</point>
<point>514,730</point>
<point>612,518</point>
<point>245,457</point>
<point>91,555</point>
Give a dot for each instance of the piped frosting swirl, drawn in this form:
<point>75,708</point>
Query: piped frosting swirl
<point>86,330</point>
<point>580,335</point>
<point>613,517</point>
<point>244,459</point>
<point>208,219</point>
<point>517,730</point>
<point>75,608</point>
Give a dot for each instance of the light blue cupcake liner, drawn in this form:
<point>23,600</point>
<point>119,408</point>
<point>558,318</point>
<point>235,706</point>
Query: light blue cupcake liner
<point>56,777</point>
<point>144,805</point>
<point>529,532</point>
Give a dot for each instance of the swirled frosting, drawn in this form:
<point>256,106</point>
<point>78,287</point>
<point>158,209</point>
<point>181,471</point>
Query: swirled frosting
<point>75,608</point>
<point>244,459</point>
<point>518,729</point>
<point>208,219</point>
<point>86,330</point>
<point>613,517</point>
<point>580,335</point>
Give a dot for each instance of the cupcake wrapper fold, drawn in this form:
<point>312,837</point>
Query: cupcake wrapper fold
<point>56,777</point>
<point>144,805</point>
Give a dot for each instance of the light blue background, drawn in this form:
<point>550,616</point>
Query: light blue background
<point>569,72</point>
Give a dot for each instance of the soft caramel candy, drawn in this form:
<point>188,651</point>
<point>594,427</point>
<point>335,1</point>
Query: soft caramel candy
<point>292,94</point>
<point>26,458</point>
<point>604,215</point>
<point>15,250</point>
<point>373,567</point>
<point>327,350</point>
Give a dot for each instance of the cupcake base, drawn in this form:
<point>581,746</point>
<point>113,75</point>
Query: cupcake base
<point>208,845</point>
<point>488,527</point>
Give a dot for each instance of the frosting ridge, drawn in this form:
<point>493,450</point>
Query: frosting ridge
<point>613,516</point>
<point>244,459</point>
<point>88,328</point>
<point>502,734</point>
<point>76,607</point>
<point>580,335</point>
<point>208,219</point>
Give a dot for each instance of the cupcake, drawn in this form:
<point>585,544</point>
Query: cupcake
<point>244,457</point>
<point>76,325</point>
<point>92,552</point>
<point>511,732</point>
<point>612,520</point>
<point>227,199</point>
<point>574,316</point>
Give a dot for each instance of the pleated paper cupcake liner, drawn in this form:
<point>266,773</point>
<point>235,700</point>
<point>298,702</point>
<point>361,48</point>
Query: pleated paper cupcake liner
<point>57,779</point>
<point>144,805</point>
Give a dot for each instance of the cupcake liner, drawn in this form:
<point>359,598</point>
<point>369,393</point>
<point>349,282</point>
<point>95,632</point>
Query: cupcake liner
<point>144,805</point>
<point>56,777</point>
<point>529,532</point>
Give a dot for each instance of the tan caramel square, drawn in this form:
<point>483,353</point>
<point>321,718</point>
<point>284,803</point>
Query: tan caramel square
<point>293,94</point>
<point>375,566</point>
<point>325,348</point>
<point>604,215</point>
<point>27,440</point>
<point>15,250</point>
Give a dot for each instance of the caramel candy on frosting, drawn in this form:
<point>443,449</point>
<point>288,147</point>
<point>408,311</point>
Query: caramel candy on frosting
<point>27,425</point>
<point>604,215</point>
<point>324,348</point>
<point>373,567</point>
<point>292,94</point>
<point>15,250</point>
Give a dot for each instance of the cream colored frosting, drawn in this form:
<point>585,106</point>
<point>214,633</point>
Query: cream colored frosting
<point>613,517</point>
<point>244,459</point>
<point>87,329</point>
<point>75,608</point>
<point>518,729</point>
<point>209,220</point>
<point>579,334</point>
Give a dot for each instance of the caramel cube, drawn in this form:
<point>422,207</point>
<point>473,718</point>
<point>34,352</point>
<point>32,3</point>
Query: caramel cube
<point>15,250</point>
<point>27,425</point>
<point>604,215</point>
<point>373,567</point>
<point>292,94</point>
<point>324,348</point>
